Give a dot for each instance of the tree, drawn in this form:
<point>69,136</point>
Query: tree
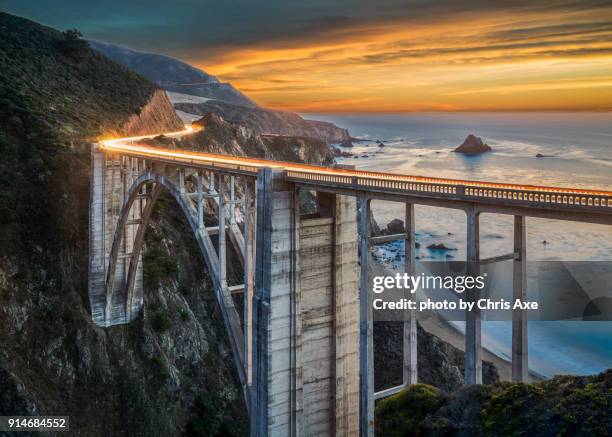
<point>73,45</point>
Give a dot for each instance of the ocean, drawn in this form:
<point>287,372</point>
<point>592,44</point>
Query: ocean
<point>576,151</point>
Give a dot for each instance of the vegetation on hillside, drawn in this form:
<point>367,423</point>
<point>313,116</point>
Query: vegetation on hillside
<point>561,406</point>
<point>56,96</point>
<point>55,92</point>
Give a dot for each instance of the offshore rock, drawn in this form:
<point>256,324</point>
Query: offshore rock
<point>473,145</point>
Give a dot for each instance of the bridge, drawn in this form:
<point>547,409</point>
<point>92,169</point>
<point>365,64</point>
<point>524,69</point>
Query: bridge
<point>303,342</point>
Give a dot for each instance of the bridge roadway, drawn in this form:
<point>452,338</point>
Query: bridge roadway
<point>593,206</point>
<point>304,347</point>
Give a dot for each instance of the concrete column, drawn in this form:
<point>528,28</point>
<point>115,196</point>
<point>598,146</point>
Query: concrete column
<point>181,172</point>
<point>97,238</point>
<point>110,301</point>
<point>232,216</point>
<point>272,409</point>
<point>520,360</point>
<point>328,320</point>
<point>200,200</point>
<point>249,273</point>
<point>366,347</point>
<point>316,347</point>
<point>473,345</point>
<point>410,323</point>
<point>221,250</point>
<point>346,282</point>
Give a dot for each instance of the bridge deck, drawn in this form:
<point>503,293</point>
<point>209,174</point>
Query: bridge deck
<point>519,195</point>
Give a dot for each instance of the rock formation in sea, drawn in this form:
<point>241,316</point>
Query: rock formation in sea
<point>439,246</point>
<point>473,145</point>
<point>395,226</point>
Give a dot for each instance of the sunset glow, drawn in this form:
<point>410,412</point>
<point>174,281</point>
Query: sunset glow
<point>490,62</point>
<point>372,56</point>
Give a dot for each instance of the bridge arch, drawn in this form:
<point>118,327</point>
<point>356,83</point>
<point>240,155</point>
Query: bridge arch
<point>158,184</point>
<point>118,298</point>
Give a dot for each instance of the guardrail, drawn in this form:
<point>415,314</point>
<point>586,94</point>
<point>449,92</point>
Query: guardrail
<point>359,180</point>
<point>463,190</point>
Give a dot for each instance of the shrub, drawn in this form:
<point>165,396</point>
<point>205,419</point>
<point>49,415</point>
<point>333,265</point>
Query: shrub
<point>404,414</point>
<point>212,419</point>
<point>73,45</point>
<point>160,321</point>
<point>561,406</point>
<point>184,315</point>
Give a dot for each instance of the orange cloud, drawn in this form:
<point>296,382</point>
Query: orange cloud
<point>501,61</point>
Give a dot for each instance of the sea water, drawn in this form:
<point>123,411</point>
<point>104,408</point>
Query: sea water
<point>575,151</point>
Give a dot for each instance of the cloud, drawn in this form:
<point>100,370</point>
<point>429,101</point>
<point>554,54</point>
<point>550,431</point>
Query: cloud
<point>369,55</point>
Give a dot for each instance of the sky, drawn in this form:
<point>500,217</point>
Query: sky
<point>369,56</point>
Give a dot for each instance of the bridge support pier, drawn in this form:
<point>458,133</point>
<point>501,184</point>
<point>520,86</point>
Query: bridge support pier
<point>520,362</point>
<point>473,342</point>
<point>410,372</point>
<point>366,345</point>
<point>112,301</point>
<point>305,324</point>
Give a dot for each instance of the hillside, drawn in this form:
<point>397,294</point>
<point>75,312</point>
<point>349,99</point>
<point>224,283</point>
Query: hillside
<point>231,104</point>
<point>56,96</point>
<point>270,122</point>
<point>174,75</point>
<point>562,406</point>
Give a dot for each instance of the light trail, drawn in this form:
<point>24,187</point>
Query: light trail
<point>127,146</point>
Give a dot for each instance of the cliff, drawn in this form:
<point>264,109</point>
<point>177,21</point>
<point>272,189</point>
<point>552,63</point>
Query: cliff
<point>439,364</point>
<point>270,122</point>
<point>157,115</point>
<point>222,136</point>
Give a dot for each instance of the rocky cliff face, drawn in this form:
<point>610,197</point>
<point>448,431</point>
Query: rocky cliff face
<point>221,136</point>
<point>269,122</point>
<point>439,363</point>
<point>157,115</point>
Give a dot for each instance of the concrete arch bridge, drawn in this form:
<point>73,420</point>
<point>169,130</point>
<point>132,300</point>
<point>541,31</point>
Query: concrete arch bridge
<point>303,345</point>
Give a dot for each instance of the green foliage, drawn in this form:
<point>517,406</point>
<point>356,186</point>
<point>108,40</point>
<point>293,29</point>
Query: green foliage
<point>562,406</point>
<point>184,315</point>
<point>50,106</point>
<point>158,264</point>
<point>586,411</point>
<point>160,321</point>
<point>73,45</point>
<point>161,366</point>
<point>212,418</point>
<point>404,413</point>
<point>515,406</point>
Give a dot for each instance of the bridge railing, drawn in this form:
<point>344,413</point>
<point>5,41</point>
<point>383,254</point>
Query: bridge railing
<point>490,192</point>
<point>462,190</point>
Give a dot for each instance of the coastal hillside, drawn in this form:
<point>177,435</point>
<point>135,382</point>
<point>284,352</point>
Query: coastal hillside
<point>221,98</point>
<point>270,122</point>
<point>561,406</point>
<point>174,75</point>
<point>165,372</point>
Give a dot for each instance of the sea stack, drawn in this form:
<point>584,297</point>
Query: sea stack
<point>473,145</point>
